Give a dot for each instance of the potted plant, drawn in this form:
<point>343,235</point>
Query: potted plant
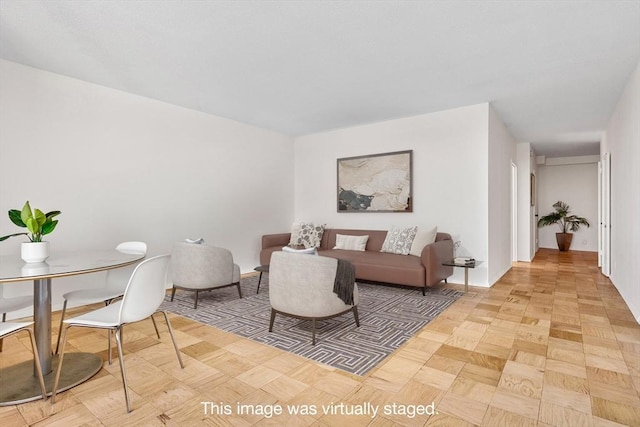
<point>565,221</point>
<point>38,224</point>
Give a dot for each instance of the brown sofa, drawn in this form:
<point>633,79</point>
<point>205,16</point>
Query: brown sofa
<point>373,265</point>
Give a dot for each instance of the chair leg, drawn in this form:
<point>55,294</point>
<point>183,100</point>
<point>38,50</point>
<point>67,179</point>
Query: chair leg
<point>273,317</point>
<point>445,280</point>
<point>239,290</point>
<point>122,370</point>
<point>195,303</point>
<point>155,326</point>
<point>173,293</point>
<point>37,364</point>
<point>60,358</point>
<point>173,338</point>
<point>259,282</point>
<point>4,318</point>
<point>313,331</point>
<point>64,309</point>
<point>109,346</point>
<point>355,315</point>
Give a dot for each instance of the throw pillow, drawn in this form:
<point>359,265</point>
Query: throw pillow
<point>295,234</point>
<point>310,251</point>
<point>423,238</point>
<point>399,240</point>
<point>310,235</point>
<point>351,243</point>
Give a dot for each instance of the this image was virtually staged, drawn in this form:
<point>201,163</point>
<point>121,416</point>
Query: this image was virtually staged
<point>319,213</point>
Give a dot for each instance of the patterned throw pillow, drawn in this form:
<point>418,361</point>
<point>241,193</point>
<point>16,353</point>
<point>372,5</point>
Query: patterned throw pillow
<point>310,235</point>
<point>399,240</point>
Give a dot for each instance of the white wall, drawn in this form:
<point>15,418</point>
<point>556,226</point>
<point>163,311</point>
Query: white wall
<point>575,183</point>
<point>450,176</point>
<point>623,142</point>
<point>502,152</point>
<point>123,167</point>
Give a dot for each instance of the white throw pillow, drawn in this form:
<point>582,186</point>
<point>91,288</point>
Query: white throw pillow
<point>423,238</point>
<point>351,243</point>
<point>309,251</point>
<point>399,240</point>
<point>295,233</point>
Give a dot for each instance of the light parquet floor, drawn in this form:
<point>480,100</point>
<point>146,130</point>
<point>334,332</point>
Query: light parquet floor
<point>551,344</point>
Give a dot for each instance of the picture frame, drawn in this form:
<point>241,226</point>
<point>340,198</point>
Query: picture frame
<point>376,182</point>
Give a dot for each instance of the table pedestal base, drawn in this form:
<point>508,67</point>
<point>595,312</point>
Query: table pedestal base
<point>18,383</point>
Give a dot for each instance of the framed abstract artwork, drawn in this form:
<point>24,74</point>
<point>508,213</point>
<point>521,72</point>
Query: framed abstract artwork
<point>376,183</point>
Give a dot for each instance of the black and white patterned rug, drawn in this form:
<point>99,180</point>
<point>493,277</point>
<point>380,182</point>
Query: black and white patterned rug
<point>389,316</point>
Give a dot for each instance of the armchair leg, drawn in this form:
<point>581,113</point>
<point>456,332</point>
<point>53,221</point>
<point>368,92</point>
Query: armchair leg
<point>273,317</point>
<point>239,290</point>
<point>313,331</point>
<point>173,293</point>
<point>195,303</point>
<point>355,315</point>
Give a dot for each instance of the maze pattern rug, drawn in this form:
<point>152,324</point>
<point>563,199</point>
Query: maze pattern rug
<point>389,316</point>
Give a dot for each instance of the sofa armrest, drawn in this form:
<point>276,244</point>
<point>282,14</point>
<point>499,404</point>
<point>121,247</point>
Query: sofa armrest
<point>270,240</point>
<point>432,257</point>
<point>272,243</point>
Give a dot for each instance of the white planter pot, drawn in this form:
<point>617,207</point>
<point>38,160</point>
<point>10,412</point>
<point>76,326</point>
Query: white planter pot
<point>35,251</point>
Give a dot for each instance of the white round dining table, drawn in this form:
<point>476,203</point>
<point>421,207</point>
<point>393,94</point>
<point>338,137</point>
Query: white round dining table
<point>18,383</point>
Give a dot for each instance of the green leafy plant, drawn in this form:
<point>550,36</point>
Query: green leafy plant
<point>37,222</point>
<point>561,216</point>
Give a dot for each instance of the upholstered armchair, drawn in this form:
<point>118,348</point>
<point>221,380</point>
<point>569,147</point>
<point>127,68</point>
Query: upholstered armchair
<point>302,286</point>
<point>198,267</point>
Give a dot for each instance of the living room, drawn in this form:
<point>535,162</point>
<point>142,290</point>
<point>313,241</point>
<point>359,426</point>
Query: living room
<point>122,166</point>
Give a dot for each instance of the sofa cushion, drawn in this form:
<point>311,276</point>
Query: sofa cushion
<point>351,243</point>
<point>383,267</point>
<point>399,240</point>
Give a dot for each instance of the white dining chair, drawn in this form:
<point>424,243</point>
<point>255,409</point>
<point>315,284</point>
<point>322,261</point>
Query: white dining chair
<point>9,304</point>
<point>115,283</point>
<point>10,328</point>
<point>142,298</point>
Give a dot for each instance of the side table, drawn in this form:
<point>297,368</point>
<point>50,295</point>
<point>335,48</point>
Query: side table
<point>466,266</point>
<point>261,269</point>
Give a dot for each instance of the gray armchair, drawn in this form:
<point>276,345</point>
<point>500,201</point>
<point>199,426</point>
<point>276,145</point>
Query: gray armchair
<point>302,286</point>
<point>198,267</point>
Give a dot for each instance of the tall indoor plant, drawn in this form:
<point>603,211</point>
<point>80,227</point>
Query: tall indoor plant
<point>565,221</point>
<point>38,225</point>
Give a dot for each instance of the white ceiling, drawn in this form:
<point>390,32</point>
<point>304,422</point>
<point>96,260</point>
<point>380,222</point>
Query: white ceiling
<point>552,70</point>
